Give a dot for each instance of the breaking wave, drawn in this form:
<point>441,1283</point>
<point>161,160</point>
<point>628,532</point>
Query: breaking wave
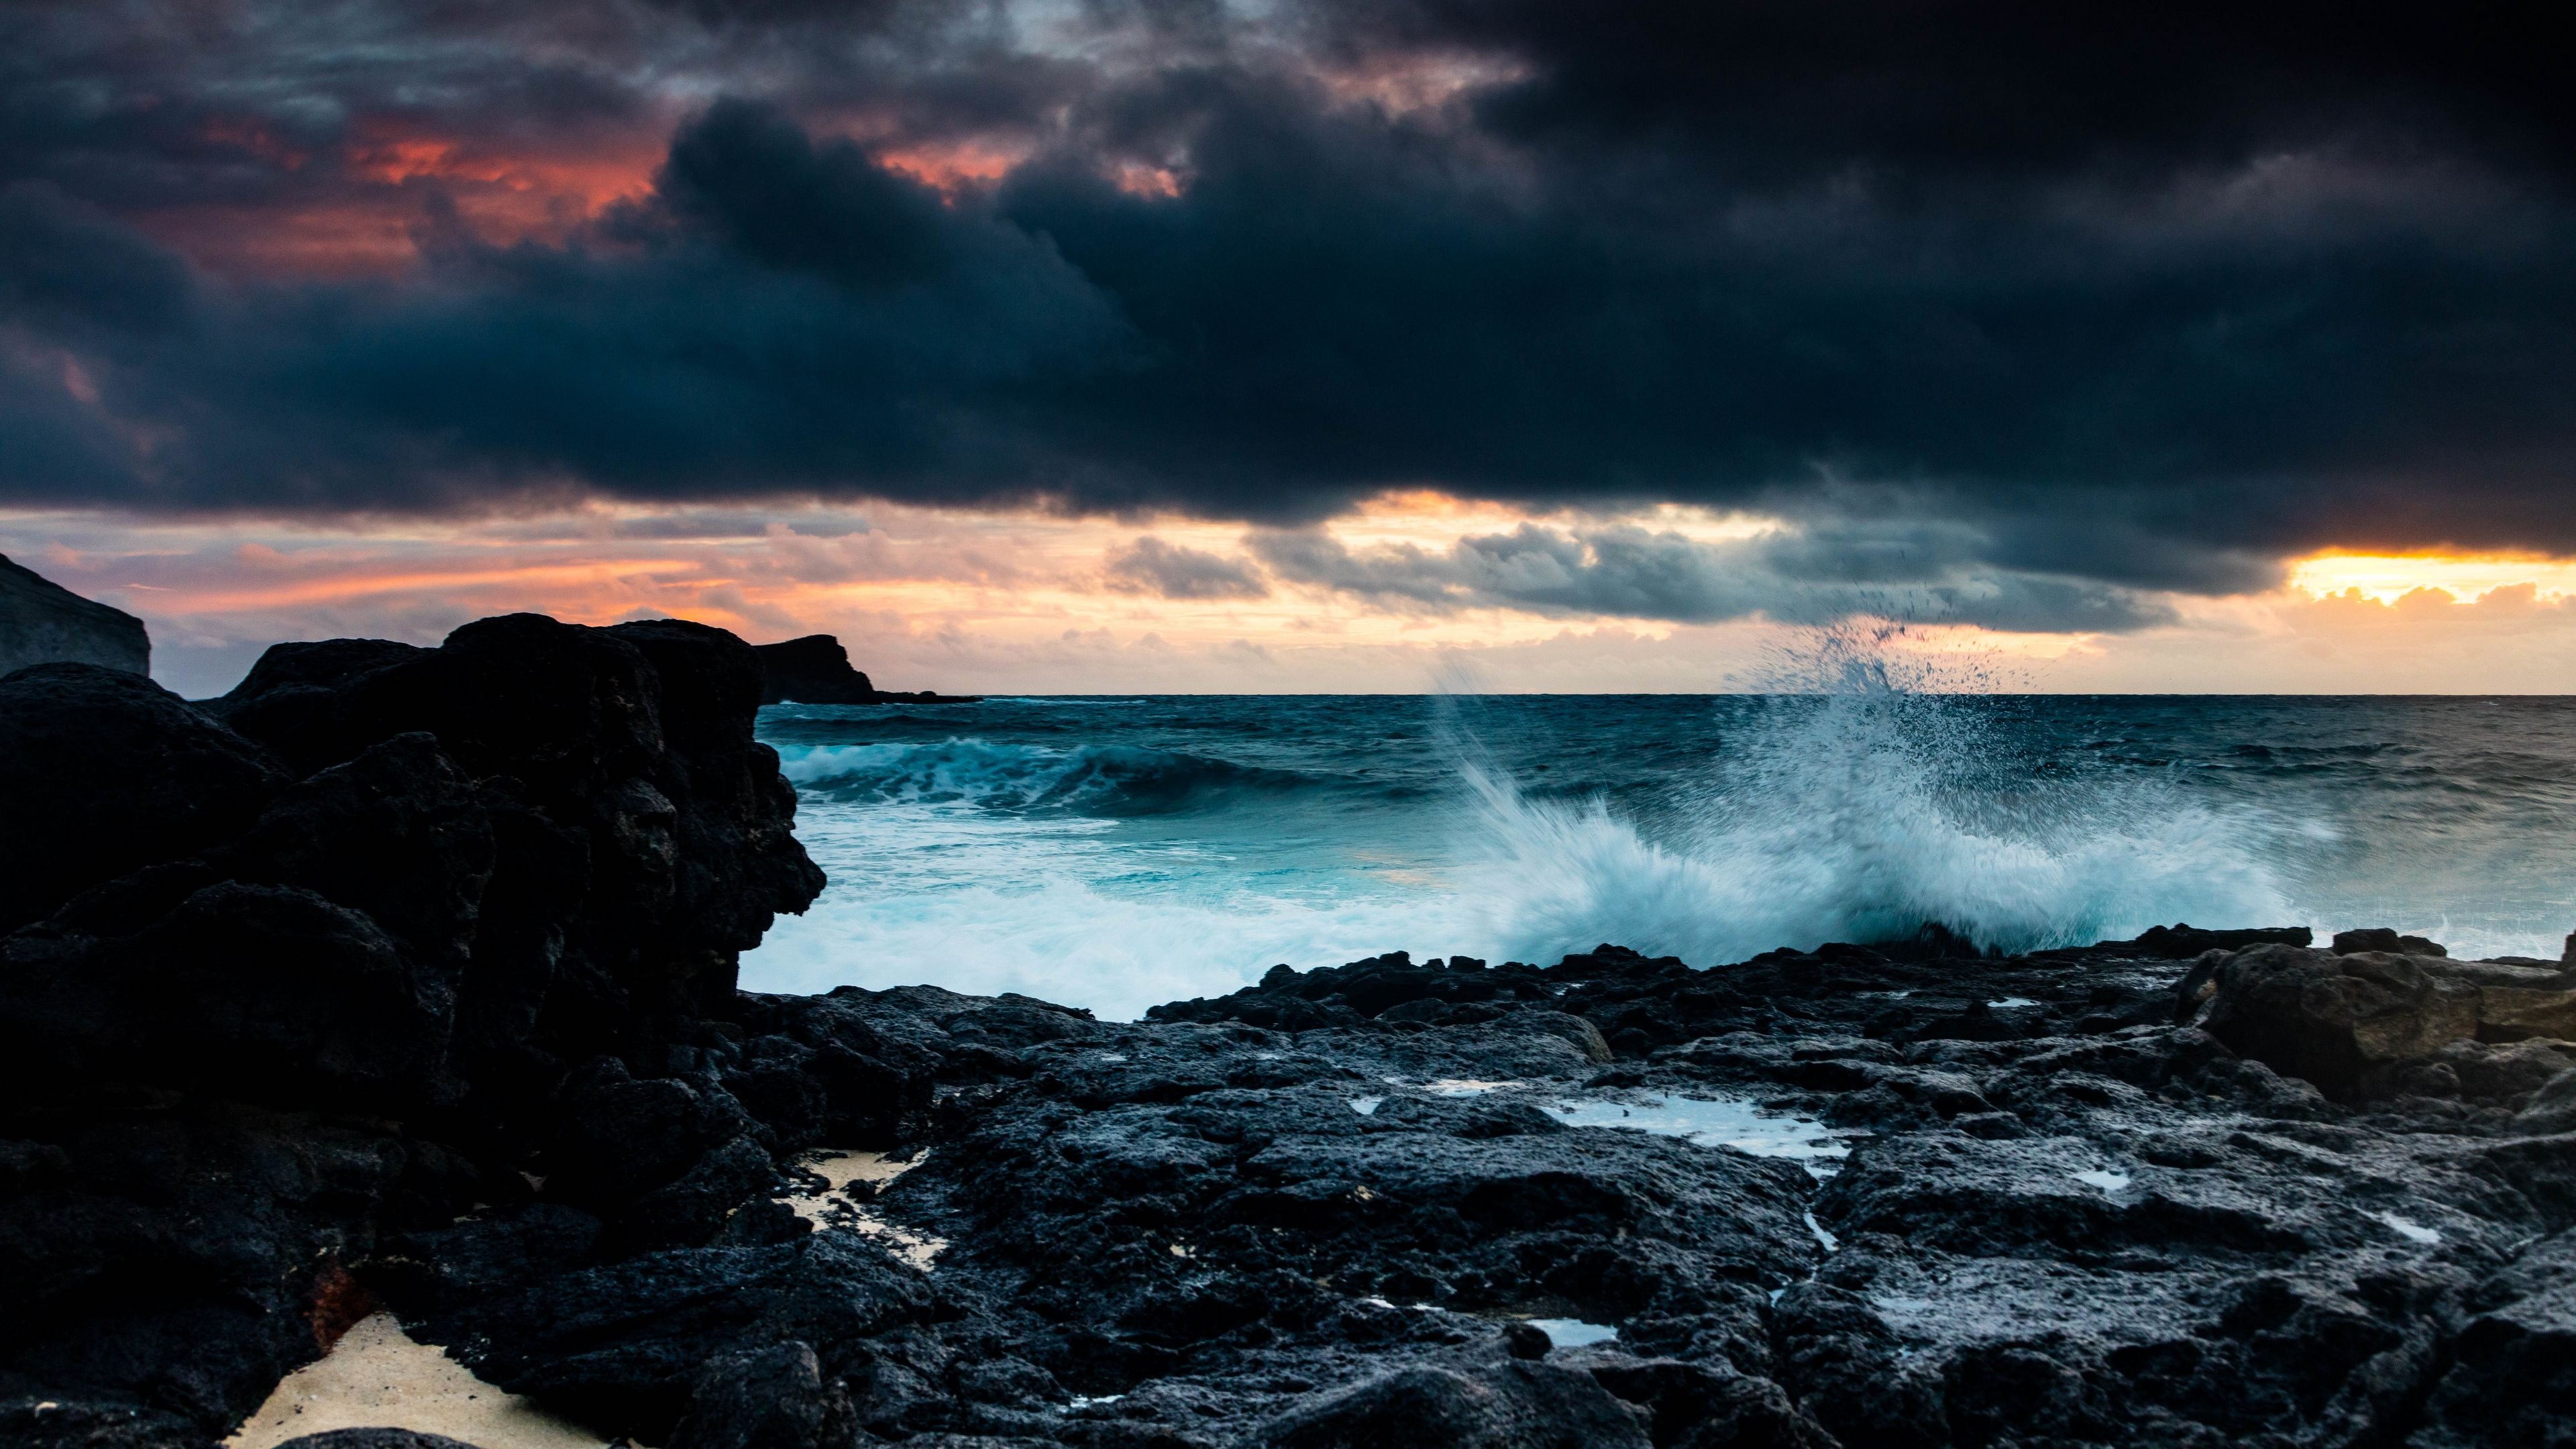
<point>1861,804</point>
<point>1087,779</point>
<point>1836,827</point>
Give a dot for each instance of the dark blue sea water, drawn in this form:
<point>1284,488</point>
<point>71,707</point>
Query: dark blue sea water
<point>1117,852</point>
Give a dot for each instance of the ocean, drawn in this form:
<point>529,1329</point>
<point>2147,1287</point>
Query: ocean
<point>1114,853</point>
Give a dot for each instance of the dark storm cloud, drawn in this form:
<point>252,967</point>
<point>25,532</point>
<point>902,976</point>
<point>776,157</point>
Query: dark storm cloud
<point>1169,570</point>
<point>2022,309</point>
<point>1630,572</point>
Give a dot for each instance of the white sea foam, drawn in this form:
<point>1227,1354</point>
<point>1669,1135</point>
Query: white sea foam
<point>1861,812</point>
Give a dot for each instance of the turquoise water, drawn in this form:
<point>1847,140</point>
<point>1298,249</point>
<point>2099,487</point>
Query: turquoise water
<point>1119,852</point>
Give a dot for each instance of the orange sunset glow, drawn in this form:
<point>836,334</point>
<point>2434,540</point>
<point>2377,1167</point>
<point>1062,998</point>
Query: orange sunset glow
<point>985,599</point>
<point>500,194</point>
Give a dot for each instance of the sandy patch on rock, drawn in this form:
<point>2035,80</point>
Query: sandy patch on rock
<point>834,1208</point>
<point>378,1376</point>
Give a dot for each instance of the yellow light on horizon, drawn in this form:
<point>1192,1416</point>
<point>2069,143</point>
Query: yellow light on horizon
<point>2465,577</point>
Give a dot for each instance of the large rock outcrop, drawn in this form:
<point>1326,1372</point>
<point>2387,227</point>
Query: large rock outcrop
<point>370,941</point>
<point>2361,1023</point>
<point>41,622</point>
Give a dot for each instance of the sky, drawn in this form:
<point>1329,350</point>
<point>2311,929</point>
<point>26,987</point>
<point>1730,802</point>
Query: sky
<point>1087,346</point>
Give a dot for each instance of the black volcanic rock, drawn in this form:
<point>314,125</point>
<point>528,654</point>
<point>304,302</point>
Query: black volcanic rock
<point>162,1260</point>
<point>767,1398</point>
<point>628,1344</point>
<point>2182,941</point>
<point>295,696</point>
<point>1499,1406</point>
<point>2381,938</point>
<point>375,1439</point>
<point>2367,1023</point>
<point>103,772</point>
<point>478,868</point>
<point>816,670</point>
<point>620,756</point>
<point>812,670</point>
<point>41,622</point>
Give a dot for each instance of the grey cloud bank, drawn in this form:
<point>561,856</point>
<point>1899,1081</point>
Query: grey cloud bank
<point>2022,315</point>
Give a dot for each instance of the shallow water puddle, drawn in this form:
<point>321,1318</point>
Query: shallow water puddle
<point>1574,1332</point>
<point>2104,1179</point>
<point>378,1376</point>
<point>833,1208</point>
<point>2011,1002</point>
<point>2413,1232</point>
<point>1719,1122</point>
<point>1824,1236</point>
<point>1464,1087</point>
<point>1366,1105</point>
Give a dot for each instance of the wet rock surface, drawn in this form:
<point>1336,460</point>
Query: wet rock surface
<point>441,1019</point>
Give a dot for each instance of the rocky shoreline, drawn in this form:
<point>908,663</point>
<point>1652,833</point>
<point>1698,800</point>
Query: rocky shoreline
<point>403,980</point>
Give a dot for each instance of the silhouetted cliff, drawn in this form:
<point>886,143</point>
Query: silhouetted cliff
<point>41,622</point>
<point>816,670</point>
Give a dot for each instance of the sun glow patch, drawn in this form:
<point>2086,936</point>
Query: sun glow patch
<point>2388,578</point>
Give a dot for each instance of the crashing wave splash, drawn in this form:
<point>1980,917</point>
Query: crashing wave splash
<point>1863,806</point>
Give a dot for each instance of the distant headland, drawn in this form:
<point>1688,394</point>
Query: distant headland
<point>816,670</point>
